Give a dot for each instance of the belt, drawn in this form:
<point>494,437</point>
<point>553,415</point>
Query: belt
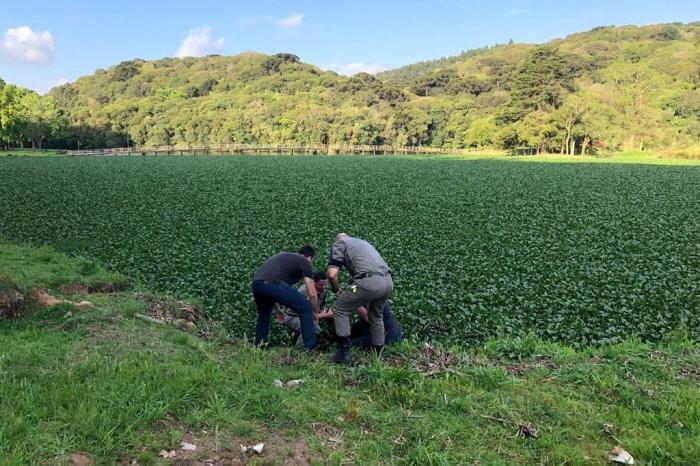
<point>372,274</point>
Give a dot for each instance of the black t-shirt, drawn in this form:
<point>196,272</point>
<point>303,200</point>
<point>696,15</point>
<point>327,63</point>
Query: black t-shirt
<point>286,267</point>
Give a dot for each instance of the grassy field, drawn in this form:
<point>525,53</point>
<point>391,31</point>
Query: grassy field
<point>629,157</point>
<point>113,388</point>
<point>575,252</point>
<point>30,152</point>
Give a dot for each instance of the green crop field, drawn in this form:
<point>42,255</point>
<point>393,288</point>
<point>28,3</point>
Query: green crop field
<point>578,253</point>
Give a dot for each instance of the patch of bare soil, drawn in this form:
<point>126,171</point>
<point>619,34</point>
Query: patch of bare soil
<point>79,459</point>
<point>11,298</point>
<point>299,454</point>
<point>205,450</point>
<point>75,288</point>
<point>42,298</point>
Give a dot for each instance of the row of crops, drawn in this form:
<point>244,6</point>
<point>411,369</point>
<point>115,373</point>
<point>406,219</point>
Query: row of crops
<point>580,253</point>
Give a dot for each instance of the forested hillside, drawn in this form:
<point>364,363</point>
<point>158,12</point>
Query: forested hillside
<point>610,88</point>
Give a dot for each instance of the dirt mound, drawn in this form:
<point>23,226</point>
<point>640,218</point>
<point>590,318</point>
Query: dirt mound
<point>42,298</point>
<point>75,288</point>
<point>11,298</point>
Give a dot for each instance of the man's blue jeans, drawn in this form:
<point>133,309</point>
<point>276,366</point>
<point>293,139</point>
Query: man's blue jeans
<point>267,294</point>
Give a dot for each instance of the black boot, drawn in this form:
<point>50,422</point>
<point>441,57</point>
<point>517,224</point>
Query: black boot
<point>378,350</point>
<point>342,354</point>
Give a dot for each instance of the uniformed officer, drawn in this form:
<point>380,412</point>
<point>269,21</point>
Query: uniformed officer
<point>273,283</point>
<point>371,284</point>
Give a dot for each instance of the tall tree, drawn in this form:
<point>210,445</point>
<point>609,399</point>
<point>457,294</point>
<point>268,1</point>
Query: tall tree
<point>12,115</point>
<point>41,118</point>
<point>538,85</point>
<point>567,117</point>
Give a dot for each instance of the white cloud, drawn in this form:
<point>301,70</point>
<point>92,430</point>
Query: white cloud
<point>200,42</point>
<point>291,21</point>
<point>24,45</point>
<point>349,69</point>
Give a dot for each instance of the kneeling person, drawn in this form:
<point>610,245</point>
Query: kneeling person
<point>291,318</point>
<point>361,334</point>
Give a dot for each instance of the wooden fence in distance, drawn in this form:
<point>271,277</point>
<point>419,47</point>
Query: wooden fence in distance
<point>266,149</point>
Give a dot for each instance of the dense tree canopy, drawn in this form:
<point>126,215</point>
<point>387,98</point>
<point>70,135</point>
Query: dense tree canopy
<point>610,88</point>
<point>27,117</point>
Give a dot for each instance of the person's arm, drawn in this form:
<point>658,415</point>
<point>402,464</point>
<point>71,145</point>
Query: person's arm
<point>279,315</point>
<point>327,314</point>
<point>333,273</point>
<point>363,313</point>
<point>335,262</point>
<point>311,293</point>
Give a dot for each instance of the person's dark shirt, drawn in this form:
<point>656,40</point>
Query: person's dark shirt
<point>285,267</point>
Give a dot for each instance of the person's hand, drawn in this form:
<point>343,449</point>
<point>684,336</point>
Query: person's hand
<point>279,317</point>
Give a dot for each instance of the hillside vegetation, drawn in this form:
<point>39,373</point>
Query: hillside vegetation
<point>611,88</point>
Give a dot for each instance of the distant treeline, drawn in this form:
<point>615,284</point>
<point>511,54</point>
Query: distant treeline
<point>610,88</point>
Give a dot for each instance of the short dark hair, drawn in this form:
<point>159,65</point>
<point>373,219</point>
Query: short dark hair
<point>307,251</point>
<point>320,275</point>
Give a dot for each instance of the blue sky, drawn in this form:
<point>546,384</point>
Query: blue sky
<point>43,43</point>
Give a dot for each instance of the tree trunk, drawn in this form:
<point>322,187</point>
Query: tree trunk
<point>584,145</point>
<point>40,139</point>
<point>572,146</point>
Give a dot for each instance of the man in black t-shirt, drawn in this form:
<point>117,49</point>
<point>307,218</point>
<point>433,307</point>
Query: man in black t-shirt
<point>273,283</point>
